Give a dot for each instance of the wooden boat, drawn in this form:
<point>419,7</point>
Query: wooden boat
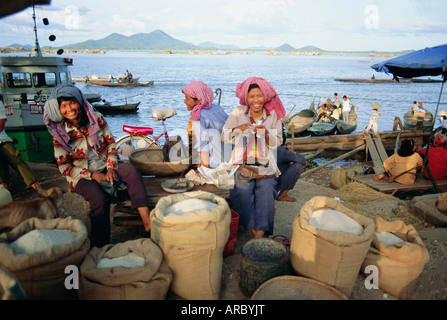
<point>350,126</point>
<point>107,107</point>
<point>402,80</point>
<point>300,121</point>
<point>120,82</point>
<point>419,121</point>
<point>322,128</point>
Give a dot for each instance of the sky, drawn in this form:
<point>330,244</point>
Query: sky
<point>343,25</point>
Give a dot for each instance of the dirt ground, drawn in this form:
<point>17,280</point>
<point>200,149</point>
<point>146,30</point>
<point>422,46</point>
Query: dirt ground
<point>432,284</point>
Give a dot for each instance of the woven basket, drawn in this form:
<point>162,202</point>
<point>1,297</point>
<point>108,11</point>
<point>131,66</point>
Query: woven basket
<point>150,162</point>
<point>296,288</point>
<point>229,246</point>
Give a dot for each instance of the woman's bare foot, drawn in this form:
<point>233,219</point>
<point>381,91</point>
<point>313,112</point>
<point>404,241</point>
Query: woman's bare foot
<point>285,197</point>
<point>258,233</point>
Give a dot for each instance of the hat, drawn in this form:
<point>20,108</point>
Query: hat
<point>376,106</point>
<point>443,113</point>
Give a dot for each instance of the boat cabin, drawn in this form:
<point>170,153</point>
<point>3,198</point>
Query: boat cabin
<point>25,85</point>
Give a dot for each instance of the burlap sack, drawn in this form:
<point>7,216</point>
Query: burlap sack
<point>338,177</point>
<point>401,264</point>
<point>10,288</point>
<point>332,257</point>
<point>192,244</point>
<point>42,274</point>
<point>150,282</point>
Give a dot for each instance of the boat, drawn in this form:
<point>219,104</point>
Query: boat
<point>301,120</point>
<point>350,126</point>
<point>419,121</point>
<point>322,128</point>
<point>119,82</point>
<point>108,108</point>
<point>401,80</point>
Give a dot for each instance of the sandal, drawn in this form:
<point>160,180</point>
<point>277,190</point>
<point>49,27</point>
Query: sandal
<point>283,239</point>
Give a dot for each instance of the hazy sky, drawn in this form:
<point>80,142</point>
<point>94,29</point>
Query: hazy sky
<point>382,25</point>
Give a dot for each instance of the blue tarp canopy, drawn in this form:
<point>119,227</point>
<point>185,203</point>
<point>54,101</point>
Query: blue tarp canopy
<point>425,62</point>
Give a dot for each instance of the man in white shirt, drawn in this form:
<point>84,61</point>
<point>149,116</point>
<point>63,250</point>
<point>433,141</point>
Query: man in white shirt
<point>345,108</point>
<point>10,156</point>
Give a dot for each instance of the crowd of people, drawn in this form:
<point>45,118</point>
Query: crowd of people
<point>253,133</point>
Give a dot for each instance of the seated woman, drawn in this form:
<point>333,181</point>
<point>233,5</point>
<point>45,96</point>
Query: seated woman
<point>207,121</point>
<point>437,158</point>
<point>402,166</point>
<point>255,130</point>
<point>85,153</point>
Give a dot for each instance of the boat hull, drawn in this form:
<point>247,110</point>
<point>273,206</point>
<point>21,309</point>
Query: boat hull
<point>322,128</point>
<point>34,143</point>
<point>414,122</point>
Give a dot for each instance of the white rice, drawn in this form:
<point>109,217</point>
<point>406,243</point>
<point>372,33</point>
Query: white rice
<point>332,220</point>
<point>388,238</point>
<point>190,205</point>
<point>41,239</point>
<point>130,260</point>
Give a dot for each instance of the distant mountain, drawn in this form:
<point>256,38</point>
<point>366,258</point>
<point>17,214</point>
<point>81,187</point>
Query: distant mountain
<point>309,48</point>
<point>140,41</point>
<point>285,47</point>
<point>210,46</point>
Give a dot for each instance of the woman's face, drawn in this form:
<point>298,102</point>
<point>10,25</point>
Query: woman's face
<point>255,100</point>
<point>190,102</point>
<point>70,109</point>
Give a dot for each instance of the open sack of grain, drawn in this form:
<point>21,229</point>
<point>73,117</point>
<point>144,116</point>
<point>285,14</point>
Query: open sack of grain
<point>400,255</point>
<point>330,242</point>
<point>192,229</point>
<point>38,251</point>
<point>133,270</point>
<point>10,288</point>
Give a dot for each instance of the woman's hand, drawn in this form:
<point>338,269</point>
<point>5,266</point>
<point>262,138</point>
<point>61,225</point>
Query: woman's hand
<point>110,175</point>
<point>98,176</point>
<point>261,130</point>
<point>246,127</point>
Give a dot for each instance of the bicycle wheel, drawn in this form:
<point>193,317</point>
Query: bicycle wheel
<point>125,145</point>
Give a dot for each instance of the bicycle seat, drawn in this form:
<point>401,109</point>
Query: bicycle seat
<point>137,130</point>
<point>163,114</point>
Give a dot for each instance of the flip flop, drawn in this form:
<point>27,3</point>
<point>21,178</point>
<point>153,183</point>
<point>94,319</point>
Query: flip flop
<point>283,239</point>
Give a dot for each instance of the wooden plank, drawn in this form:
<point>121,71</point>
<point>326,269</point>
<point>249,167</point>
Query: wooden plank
<point>380,149</point>
<point>375,157</point>
<point>391,187</point>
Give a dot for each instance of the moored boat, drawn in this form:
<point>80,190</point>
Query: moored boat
<point>350,126</point>
<point>108,108</point>
<point>117,82</point>
<point>419,120</point>
<point>301,120</point>
<point>322,128</point>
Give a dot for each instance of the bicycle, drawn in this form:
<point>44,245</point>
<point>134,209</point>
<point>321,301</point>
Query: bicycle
<point>141,137</point>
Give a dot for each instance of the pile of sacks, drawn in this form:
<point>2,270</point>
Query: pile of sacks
<point>332,244</point>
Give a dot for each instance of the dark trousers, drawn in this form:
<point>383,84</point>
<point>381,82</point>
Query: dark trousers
<point>288,178</point>
<point>99,201</point>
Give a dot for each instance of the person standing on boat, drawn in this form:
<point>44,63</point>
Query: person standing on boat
<point>373,120</point>
<point>207,120</point>
<point>255,130</point>
<point>10,156</point>
<point>84,149</point>
<point>414,107</point>
<point>336,102</point>
<point>345,108</point>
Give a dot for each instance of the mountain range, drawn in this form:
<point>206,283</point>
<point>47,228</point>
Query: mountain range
<point>161,41</point>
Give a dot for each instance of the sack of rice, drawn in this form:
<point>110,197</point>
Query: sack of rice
<point>192,229</point>
<point>338,177</point>
<point>38,251</point>
<point>133,270</point>
<point>10,288</point>
<point>330,242</point>
<point>399,254</point>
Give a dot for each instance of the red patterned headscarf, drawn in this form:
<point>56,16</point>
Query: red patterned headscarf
<point>272,101</point>
<point>200,91</point>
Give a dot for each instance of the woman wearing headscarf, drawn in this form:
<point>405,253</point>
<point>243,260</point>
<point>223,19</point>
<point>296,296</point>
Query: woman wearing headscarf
<point>255,130</point>
<point>85,153</point>
<point>207,121</point>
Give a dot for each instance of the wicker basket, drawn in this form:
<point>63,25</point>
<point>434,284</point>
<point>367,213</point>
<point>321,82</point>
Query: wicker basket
<point>150,162</point>
<point>296,288</point>
<point>229,246</point>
